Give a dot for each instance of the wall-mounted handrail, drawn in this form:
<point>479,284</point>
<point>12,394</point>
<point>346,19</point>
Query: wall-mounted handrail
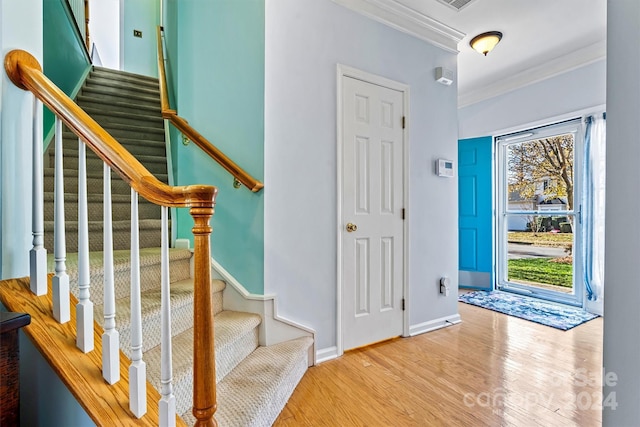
<point>193,135</point>
<point>26,73</point>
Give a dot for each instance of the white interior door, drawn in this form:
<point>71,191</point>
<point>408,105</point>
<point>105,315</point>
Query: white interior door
<point>372,212</point>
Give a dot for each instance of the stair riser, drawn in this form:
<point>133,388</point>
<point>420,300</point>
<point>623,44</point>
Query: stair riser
<point>94,185</point>
<point>121,211</point>
<point>240,349</point>
<point>148,239</point>
<point>229,357</point>
<point>131,99</point>
<point>123,87</point>
<point>105,120</point>
<point>71,164</point>
<point>94,182</point>
<point>135,147</point>
<point>149,279</point>
<point>117,76</point>
<point>181,320</point>
<point>142,133</point>
<point>120,106</point>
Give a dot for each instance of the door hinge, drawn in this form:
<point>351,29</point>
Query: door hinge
<point>402,304</point>
<point>404,122</point>
<point>402,213</point>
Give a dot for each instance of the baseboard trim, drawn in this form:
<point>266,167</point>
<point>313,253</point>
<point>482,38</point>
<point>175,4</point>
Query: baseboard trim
<point>274,328</point>
<point>433,325</point>
<point>221,273</point>
<point>326,354</point>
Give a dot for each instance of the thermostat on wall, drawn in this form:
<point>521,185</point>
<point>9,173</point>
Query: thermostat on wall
<point>444,167</point>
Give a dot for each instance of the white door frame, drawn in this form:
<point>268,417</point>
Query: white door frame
<point>346,71</point>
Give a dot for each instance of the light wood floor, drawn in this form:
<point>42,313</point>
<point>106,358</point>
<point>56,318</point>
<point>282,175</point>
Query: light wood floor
<point>490,370</point>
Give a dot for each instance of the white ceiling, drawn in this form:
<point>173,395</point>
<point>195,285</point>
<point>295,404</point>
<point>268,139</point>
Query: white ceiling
<point>541,38</point>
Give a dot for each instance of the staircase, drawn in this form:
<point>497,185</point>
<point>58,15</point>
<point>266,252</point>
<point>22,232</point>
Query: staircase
<point>253,382</point>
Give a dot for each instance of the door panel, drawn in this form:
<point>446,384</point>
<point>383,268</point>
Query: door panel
<point>539,212</point>
<point>475,213</point>
<point>372,179</point>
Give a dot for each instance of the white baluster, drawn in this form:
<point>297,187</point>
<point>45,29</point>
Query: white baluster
<point>84,308</point>
<point>60,282</point>
<point>168,400</point>
<point>38,254</point>
<point>111,336</point>
<point>137,369</point>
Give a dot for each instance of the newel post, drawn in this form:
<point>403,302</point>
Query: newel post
<point>204,366</point>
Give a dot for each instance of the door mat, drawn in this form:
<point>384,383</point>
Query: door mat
<point>546,313</point>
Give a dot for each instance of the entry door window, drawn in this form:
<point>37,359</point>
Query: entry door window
<point>539,221</point>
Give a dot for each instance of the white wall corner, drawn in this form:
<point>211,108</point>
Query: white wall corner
<point>432,325</point>
<point>274,328</point>
<point>407,20</point>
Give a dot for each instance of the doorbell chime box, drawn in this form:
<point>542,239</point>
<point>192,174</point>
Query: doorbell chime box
<point>444,76</point>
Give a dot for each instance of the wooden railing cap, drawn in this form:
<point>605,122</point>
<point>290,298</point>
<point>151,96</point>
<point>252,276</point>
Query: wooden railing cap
<point>13,61</point>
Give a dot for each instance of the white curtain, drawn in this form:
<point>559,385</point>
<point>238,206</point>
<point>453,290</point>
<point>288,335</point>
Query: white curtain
<point>594,206</point>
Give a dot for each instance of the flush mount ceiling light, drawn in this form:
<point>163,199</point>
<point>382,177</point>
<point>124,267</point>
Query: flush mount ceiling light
<point>485,42</point>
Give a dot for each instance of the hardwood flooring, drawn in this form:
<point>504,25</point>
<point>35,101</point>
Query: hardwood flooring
<point>489,370</point>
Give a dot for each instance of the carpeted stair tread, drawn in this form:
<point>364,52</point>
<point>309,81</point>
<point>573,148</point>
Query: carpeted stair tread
<point>179,260</point>
<point>49,172</point>
<point>105,93</point>
<point>217,289</point>
<point>91,197</point>
<point>70,142</point>
<point>120,75</point>
<point>88,100</point>
<point>105,118</point>
<point>254,393</point>
<point>125,86</point>
<point>181,314</point>
<point>236,336</point>
<point>144,224</point>
<point>99,79</point>
<point>70,155</point>
<point>121,207</point>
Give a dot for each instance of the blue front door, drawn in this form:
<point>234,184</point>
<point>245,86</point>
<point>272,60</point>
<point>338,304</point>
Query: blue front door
<point>475,213</point>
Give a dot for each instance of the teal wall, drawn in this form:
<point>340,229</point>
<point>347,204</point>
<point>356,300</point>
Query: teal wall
<point>219,83</point>
<point>64,59</point>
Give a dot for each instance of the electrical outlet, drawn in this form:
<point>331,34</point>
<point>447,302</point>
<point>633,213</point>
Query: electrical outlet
<point>444,286</point>
<point>137,33</point>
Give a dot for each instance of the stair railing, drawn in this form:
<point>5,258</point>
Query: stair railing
<point>241,177</point>
<point>26,73</point>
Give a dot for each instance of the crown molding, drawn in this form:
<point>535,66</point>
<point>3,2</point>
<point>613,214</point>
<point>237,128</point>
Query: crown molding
<point>548,69</point>
<point>407,20</point>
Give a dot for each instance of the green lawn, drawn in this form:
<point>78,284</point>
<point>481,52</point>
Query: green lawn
<point>540,239</point>
<point>540,270</point>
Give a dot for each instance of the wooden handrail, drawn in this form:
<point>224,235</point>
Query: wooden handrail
<point>183,126</point>
<point>167,112</point>
<point>26,73</point>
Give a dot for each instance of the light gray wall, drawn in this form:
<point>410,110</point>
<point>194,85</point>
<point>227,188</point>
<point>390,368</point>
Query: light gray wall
<point>575,90</point>
<point>621,337</point>
<point>104,31</point>
<point>21,28</point>
<point>139,55</point>
<point>304,42</point>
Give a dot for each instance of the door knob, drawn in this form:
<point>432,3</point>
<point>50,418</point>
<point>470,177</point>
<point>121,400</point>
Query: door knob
<point>351,227</point>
